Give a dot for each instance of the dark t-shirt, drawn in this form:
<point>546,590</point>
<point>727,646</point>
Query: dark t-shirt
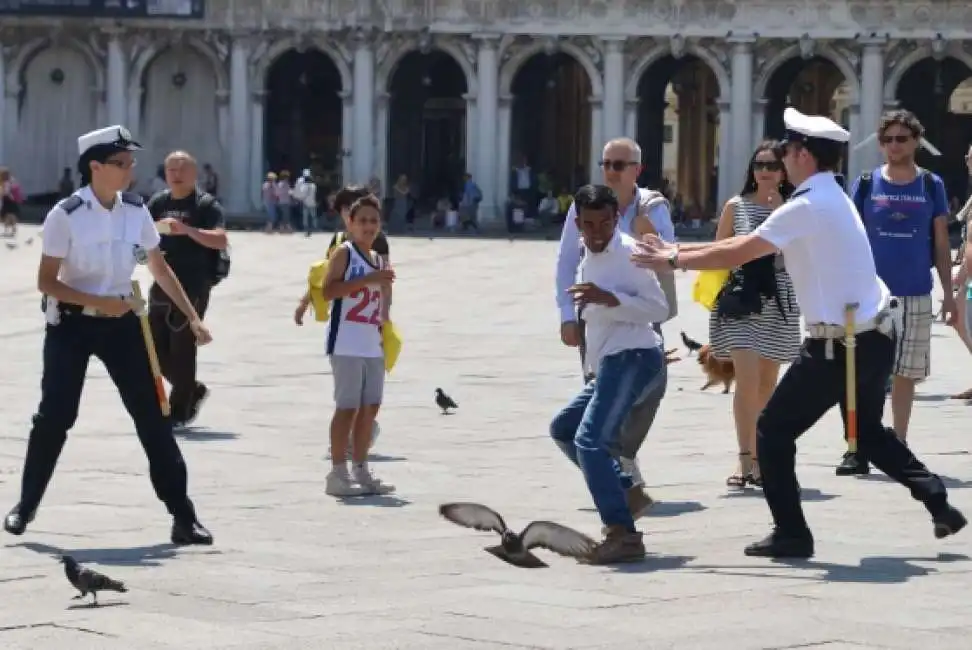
<point>380,246</point>
<point>191,261</point>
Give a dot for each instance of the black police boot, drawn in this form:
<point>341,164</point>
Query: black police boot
<point>948,522</point>
<point>16,522</point>
<point>780,545</point>
<point>199,397</point>
<point>851,465</point>
<point>190,533</point>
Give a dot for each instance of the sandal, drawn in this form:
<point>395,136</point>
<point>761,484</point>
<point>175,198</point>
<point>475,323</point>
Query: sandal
<point>739,478</point>
<point>753,477</point>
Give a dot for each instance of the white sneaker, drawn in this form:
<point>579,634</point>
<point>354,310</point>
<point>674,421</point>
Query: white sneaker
<point>370,484</point>
<point>630,466</point>
<point>339,484</point>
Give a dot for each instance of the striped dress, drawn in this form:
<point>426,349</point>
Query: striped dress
<point>773,334</point>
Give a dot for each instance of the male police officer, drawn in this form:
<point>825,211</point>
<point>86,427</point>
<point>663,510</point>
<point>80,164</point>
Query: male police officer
<point>192,224</point>
<point>92,241</point>
<point>829,258</point>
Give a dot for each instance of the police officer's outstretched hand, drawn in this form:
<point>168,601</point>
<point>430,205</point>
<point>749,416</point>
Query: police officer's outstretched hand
<point>201,332</point>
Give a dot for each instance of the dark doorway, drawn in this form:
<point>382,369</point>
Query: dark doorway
<point>303,113</point>
<point>678,122</point>
<point>427,125</point>
<point>808,85</point>
<point>551,120</point>
<point>926,90</point>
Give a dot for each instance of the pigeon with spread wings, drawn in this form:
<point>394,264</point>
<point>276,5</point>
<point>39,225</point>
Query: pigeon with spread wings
<point>515,548</point>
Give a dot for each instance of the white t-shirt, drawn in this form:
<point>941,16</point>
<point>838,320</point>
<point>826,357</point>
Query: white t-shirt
<point>99,248</point>
<point>827,253</point>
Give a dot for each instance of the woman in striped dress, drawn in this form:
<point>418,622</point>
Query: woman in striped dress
<point>759,343</point>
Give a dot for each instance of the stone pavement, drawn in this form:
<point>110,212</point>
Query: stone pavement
<point>293,568</point>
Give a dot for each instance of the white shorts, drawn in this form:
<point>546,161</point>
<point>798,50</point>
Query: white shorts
<point>358,381</point>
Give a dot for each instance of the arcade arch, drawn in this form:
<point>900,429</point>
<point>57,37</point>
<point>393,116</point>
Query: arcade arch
<point>303,115</point>
<point>427,125</point>
<point>179,109</point>
<point>59,89</point>
<point>678,128</point>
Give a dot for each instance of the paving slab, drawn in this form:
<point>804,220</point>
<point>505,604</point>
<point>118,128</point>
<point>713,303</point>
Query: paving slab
<point>293,568</point>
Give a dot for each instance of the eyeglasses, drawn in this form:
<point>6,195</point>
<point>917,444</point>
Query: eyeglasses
<point>617,165</point>
<point>120,164</point>
<point>900,139</point>
<point>767,165</point>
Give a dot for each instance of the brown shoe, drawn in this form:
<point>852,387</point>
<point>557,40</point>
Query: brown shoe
<point>639,502</point>
<point>619,546</point>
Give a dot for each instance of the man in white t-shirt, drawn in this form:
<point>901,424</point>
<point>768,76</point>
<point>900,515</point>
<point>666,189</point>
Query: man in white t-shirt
<point>829,259</point>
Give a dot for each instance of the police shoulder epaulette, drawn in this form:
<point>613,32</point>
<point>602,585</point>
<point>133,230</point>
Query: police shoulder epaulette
<point>131,198</point>
<point>800,192</point>
<point>71,203</point>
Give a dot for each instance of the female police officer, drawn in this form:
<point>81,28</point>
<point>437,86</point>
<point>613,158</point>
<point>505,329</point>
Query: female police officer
<point>92,241</point>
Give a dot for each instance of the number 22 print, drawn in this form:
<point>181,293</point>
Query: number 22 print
<point>366,297</point>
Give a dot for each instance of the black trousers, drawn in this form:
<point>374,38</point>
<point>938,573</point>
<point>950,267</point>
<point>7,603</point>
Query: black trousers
<point>118,343</point>
<point>811,386</point>
<point>175,343</point>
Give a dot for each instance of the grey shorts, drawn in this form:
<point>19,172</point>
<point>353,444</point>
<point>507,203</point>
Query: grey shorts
<point>358,381</point>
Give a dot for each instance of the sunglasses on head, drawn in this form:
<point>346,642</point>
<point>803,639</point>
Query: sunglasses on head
<point>767,165</point>
<point>617,165</point>
<point>900,139</point>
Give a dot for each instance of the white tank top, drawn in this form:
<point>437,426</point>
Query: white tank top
<point>353,328</point>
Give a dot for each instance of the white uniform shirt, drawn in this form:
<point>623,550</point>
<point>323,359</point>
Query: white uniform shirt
<point>629,325</point>
<point>354,328</point>
<point>828,255</point>
<point>98,247</point>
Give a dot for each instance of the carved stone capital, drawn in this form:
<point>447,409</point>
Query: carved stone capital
<point>487,41</point>
<point>222,97</point>
<point>613,44</point>
<point>677,46</point>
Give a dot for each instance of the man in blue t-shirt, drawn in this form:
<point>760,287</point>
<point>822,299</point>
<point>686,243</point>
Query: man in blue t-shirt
<point>905,213</point>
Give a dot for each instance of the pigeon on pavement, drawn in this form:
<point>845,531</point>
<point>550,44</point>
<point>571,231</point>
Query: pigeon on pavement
<point>88,581</point>
<point>515,548</point>
<point>444,402</point>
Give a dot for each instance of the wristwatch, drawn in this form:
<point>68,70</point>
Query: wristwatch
<point>673,258</point>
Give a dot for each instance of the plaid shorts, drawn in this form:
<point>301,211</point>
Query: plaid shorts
<point>912,337</point>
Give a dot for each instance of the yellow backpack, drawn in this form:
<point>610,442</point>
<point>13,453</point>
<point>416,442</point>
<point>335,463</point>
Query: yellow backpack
<point>315,282</point>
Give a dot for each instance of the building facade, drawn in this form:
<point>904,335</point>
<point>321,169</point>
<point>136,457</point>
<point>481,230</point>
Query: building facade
<point>429,88</point>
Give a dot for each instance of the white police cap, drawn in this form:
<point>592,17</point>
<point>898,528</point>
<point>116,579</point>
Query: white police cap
<point>115,136</point>
<point>800,127</point>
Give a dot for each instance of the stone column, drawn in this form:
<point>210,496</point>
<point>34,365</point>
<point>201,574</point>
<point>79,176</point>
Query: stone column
<point>727,175</point>
<point>238,149</point>
<point>363,139</point>
<point>597,138</point>
<point>381,135</point>
<point>855,157</point>
<point>489,157</point>
<point>631,118</point>
<point>117,73</point>
<point>472,131</point>
<point>871,99</point>
<point>759,124</point>
<point>504,117</point>
<point>347,134</point>
<point>613,104</point>
<point>5,114</point>
<point>257,163</point>
<point>741,106</point>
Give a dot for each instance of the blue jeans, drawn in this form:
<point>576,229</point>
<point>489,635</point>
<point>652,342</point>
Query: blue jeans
<point>309,218</point>
<point>588,430</point>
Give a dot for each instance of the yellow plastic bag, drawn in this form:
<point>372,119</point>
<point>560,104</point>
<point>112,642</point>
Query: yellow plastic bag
<point>707,286</point>
<point>315,286</point>
<point>391,341</point>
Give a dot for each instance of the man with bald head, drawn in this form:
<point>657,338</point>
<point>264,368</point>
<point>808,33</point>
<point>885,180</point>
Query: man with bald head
<point>191,223</point>
<point>642,212</point>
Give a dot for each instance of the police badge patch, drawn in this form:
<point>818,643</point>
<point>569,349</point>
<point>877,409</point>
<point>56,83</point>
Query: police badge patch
<point>141,255</point>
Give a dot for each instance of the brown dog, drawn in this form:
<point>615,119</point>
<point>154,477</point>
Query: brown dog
<point>716,370</point>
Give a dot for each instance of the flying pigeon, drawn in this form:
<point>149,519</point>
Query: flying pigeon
<point>444,402</point>
<point>515,548</point>
<point>87,581</point>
